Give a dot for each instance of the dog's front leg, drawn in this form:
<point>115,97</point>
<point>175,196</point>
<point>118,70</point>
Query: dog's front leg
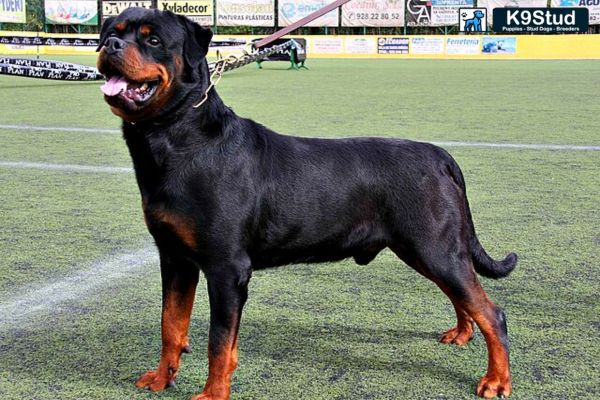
<point>179,281</point>
<point>227,291</point>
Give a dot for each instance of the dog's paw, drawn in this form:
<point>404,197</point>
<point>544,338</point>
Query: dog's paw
<point>213,393</point>
<point>206,396</point>
<point>492,386</point>
<point>154,381</point>
<point>457,336</point>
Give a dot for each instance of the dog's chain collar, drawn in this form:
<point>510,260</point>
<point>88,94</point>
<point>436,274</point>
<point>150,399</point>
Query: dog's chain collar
<point>219,67</point>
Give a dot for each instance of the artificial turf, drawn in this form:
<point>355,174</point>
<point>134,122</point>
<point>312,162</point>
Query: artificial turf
<point>327,331</point>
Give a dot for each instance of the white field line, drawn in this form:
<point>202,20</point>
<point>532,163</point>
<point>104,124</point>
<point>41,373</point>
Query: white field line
<point>64,167</point>
<point>522,146</point>
<point>57,129</point>
<point>55,297</point>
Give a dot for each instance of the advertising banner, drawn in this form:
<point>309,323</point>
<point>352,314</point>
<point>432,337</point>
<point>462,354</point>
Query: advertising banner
<point>445,12</point>
<point>326,45</point>
<point>199,11</point>
<point>373,13</point>
<point>246,12</point>
<point>48,41</point>
<point>113,8</point>
<point>434,12</point>
<point>499,45</point>
<point>491,4</point>
<point>541,20</point>
<point>473,19</point>
<point>463,46</point>
<point>291,11</point>
<point>361,45</point>
<point>426,45</point>
<point>392,45</point>
<point>72,12</point>
<point>592,5</point>
<point>12,11</point>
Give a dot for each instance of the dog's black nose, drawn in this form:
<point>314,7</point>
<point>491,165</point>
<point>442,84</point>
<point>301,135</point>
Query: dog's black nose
<point>114,45</point>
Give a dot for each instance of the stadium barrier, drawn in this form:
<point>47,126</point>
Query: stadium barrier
<point>286,49</point>
<point>519,47</point>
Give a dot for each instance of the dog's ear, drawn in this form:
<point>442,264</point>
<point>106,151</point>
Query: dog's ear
<point>195,43</point>
<point>106,25</point>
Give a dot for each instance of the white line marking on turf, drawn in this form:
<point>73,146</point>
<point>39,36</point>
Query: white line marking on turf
<point>518,146</point>
<point>522,146</point>
<point>64,167</point>
<point>58,129</point>
<point>57,296</point>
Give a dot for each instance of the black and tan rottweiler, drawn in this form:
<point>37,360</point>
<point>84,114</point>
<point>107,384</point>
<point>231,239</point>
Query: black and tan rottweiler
<point>224,195</point>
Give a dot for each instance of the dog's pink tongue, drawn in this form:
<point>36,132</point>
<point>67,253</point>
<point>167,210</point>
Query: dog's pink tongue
<point>114,86</point>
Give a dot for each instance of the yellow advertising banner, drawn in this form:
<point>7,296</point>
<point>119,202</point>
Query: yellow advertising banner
<point>471,47</point>
<point>12,11</point>
<point>200,11</point>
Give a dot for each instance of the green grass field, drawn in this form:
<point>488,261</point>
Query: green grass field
<point>80,320</point>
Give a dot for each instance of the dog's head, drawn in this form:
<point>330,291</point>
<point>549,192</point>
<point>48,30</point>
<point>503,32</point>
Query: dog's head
<point>151,59</point>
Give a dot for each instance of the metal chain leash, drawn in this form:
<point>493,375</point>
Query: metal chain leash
<point>217,68</point>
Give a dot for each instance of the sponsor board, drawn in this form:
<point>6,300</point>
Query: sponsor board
<point>445,12</point>
<point>427,45</point>
<point>49,41</point>
<point>22,40</point>
<point>246,12</point>
<point>290,11</point>
<point>472,20</point>
<point>593,7</point>
<point>527,47</point>
<point>199,11</point>
<point>72,12</point>
<point>392,45</point>
<point>13,11</point>
<point>541,20</point>
<point>361,45</point>
<point>499,45</point>
<point>114,8</point>
<point>373,13</point>
<point>326,45</point>
<point>463,46</point>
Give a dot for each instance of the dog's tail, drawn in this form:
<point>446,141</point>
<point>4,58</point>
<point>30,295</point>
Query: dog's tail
<point>484,264</point>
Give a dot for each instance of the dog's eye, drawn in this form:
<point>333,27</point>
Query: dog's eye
<point>153,41</point>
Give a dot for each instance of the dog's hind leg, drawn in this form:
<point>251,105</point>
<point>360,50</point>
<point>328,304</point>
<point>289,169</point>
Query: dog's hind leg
<point>455,275</point>
<point>453,272</point>
<point>462,333</point>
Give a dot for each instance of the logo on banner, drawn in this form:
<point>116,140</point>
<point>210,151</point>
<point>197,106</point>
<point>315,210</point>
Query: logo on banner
<point>12,10</point>
<point>472,19</point>
<point>292,9</point>
<point>113,8</point>
<point>418,12</point>
<point>541,20</point>
<point>499,45</point>
<point>199,11</point>
<point>394,45</point>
